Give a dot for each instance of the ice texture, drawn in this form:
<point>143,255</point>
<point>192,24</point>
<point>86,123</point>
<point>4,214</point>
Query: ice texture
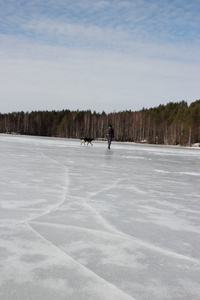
<point>81,222</point>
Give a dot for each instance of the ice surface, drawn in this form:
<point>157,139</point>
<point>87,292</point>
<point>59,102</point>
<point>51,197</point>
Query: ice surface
<point>82,222</point>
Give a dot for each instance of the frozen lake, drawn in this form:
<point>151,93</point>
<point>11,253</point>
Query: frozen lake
<point>82,222</point>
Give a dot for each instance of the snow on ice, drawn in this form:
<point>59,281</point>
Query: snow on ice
<point>80,222</point>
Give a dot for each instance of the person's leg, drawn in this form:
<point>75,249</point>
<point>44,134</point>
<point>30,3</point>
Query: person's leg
<point>109,141</point>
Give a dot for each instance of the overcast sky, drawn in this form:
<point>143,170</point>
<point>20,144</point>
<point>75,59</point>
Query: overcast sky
<point>110,55</point>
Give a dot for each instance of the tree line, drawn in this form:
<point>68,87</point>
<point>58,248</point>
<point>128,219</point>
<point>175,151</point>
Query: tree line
<point>175,123</point>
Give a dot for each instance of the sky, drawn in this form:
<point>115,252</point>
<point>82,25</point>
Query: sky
<point>103,55</point>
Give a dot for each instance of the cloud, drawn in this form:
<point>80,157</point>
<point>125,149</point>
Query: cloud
<point>155,19</point>
<point>58,78</point>
<point>101,55</point>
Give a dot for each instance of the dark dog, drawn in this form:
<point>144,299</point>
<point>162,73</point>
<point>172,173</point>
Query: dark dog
<point>86,140</point>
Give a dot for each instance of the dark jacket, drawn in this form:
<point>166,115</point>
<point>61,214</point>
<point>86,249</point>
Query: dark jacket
<point>110,131</point>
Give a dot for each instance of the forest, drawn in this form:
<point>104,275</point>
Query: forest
<point>175,123</point>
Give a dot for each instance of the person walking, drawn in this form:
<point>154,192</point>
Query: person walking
<point>110,135</point>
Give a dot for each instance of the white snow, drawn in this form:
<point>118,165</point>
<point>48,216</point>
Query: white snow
<point>82,222</point>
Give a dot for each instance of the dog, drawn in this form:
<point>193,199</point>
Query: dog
<point>86,140</point>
